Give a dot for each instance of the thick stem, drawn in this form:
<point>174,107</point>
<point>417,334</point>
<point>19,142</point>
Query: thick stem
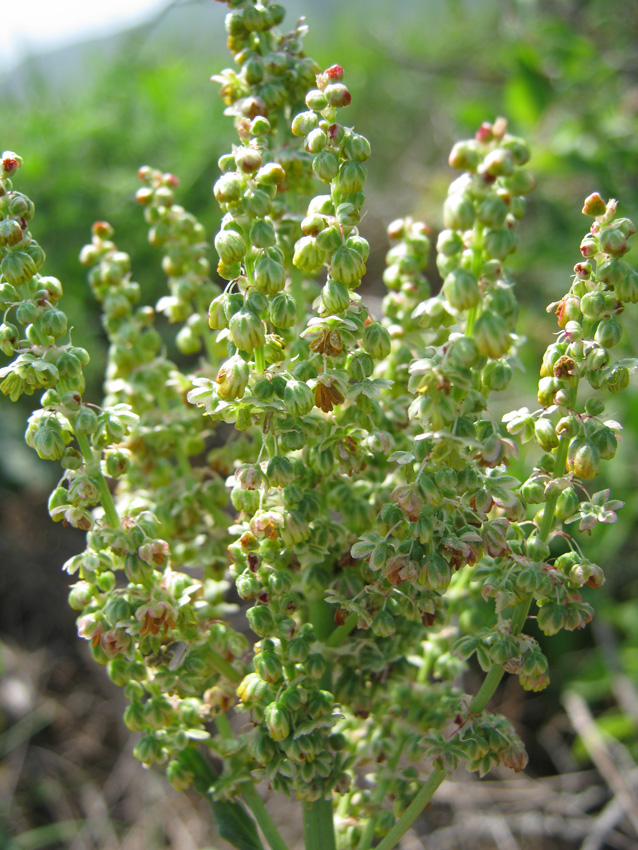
<point>318,825</point>
<point>256,806</point>
<point>260,359</point>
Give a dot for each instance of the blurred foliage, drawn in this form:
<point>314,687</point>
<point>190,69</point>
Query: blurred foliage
<point>564,72</point>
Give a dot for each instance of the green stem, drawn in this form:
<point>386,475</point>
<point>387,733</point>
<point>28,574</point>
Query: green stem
<point>260,359</point>
<point>93,467</point>
<point>550,505</point>
<point>478,704</point>
<point>224,667</point>
<point>256,806</point>
<point>339,635</point>
<point>318,825</point>
<point>378,797</point>
<point>412,812</point>
<point>223,726</point>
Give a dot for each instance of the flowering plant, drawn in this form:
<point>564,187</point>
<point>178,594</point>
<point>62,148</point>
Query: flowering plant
<point>342,470</point>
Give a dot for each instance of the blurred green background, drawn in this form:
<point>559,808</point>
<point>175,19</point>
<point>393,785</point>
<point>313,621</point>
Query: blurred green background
<point>422,73</point>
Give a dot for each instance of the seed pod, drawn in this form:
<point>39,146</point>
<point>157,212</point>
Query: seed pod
<point>458,212</point>
<point>304,123</point>
<point>298,398</point>
<point>351,177</point>
<point>325,165</point>
<point>608,333</point>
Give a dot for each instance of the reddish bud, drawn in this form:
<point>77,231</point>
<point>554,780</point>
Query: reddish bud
<point>102,229</point>
<point>334,72</point>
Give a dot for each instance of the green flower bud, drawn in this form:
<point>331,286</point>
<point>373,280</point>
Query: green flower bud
<point>567,503</point>
<point>520,182</point>
<point>594,205</point>
<point>187,341</point>
<point>533,491</point>
<point>272,174</point>
<point>315,666</point>
<point>280,471</point>
<point>230,245</point>
<point>458,212</point>
<point>583,459</point>
<point>463,352</point>
<point>292,438</point>
<point>86,421</point>
<point>337,95</point>
<point>47,439</point>
<point>605,441</point>
<point>316,140</point>
<point>304,123</point>
<point>257,202</point>
<point>461,290</point>
<point>612,241</point>
<point>592,304</point>
<point>298,398</point>
<point>449,243</point>
<point>376,341</point>
<point>247,331</point>
<point>465,156</point>
<point>216,313</point>
<point>261,620</point>
<point>298,650</point>
<point>248,160</point>
<point>351,177</point>
<point>492,335</point>
<point>359,364</point>
<point>545,434</point>
<point>270,276</point>
<point>435,572</point>
<point>589,246</point>
<point>496,375</point>
<point>232,378</point>
<point>228,188</point>
<point>608,332</point>
<point>335,298</point>
<point>347,266</point>
<point>283,311</point>
<point>498,243</point>
<point>277,720</point>
<point>492,212</point>
<point>17,268</point>
<point>308,257</point>
<point>316,100</point>
<point>256,302</point>
<point>268,666</point>
<point>329,239</point>
<point>627,288</point>
<point>358,147</point>
<point>383,624</point>
<point>10,232</point>
<point>262,234</point>
<point>325,165</point>
<point>294,530</point>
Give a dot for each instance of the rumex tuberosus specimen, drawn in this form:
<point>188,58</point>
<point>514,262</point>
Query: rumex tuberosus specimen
<point>362,506</point>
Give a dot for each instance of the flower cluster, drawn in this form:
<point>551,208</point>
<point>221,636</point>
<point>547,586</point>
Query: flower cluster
<point>344,470</point>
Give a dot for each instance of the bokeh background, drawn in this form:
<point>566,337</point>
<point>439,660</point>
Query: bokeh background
<point>422,73</point>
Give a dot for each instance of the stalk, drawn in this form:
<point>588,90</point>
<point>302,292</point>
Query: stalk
<point>224,667</point>
<point>256,806</point>
<point>379,796</point>
<point>318,825</point>
<point>93,465</point>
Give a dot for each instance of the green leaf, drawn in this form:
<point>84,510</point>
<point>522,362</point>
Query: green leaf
<point>236,826</point>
